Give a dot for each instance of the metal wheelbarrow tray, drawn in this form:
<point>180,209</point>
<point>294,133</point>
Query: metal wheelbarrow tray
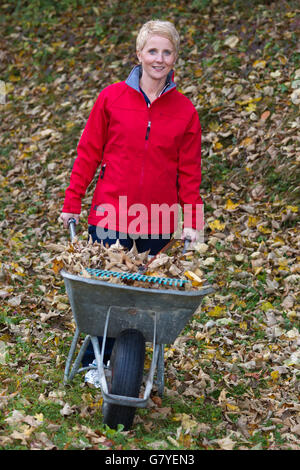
<point>105,309</point>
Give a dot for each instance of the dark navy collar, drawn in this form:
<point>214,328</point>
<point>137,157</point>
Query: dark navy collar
<point>148,102</point>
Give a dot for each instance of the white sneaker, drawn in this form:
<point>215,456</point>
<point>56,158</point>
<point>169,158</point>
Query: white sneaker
<point>92,376</point>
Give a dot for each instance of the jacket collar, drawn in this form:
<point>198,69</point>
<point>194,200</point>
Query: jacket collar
<point>133,79</point>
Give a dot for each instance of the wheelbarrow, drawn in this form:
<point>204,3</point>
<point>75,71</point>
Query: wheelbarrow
<point>134,316</point>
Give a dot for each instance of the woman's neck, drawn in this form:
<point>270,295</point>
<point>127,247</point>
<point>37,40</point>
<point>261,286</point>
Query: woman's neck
<point>152,88</point>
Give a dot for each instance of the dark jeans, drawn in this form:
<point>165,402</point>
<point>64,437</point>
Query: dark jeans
<point>142,244</point>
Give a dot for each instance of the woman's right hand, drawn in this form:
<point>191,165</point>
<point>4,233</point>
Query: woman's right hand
<point>66,216</point>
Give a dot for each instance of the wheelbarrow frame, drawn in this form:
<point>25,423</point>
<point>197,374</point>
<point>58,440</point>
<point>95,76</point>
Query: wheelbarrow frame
<point>160,314</point>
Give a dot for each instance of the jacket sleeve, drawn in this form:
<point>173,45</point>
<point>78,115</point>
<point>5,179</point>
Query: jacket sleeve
<point>89,156</point>
<point>189,175</point>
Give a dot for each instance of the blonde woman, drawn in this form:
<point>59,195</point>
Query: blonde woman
<point>146,136</point>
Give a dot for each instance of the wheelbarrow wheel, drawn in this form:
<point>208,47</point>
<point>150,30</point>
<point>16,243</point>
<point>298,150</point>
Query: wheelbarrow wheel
<point>127,367</point>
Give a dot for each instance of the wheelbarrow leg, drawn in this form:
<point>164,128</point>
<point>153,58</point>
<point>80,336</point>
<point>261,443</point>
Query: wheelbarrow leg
<point>160,370</point>
<point>68,376</point>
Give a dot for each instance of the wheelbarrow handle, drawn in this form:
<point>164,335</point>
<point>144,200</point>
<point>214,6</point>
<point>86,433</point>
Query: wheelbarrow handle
<point>72,227</point>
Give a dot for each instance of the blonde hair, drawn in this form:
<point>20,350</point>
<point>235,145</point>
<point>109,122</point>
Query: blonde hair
<point>157,27</point>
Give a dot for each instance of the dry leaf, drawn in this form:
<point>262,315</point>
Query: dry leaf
<point>67,410</point>
<point>226,444</point>
<point>231,41</point>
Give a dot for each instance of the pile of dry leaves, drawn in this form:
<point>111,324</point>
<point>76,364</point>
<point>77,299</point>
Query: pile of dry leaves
<point>78,257</point>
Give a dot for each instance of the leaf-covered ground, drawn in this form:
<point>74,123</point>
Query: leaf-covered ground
<point>232,377</point>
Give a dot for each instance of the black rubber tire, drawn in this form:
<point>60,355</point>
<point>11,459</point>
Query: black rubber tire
<point>127,367</point>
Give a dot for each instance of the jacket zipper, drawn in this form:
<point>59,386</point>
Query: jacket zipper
<point>146,146</point>
<point>148,133</point>
<point>102,171</point>
<point>148,130</point>
<point>149,122</point>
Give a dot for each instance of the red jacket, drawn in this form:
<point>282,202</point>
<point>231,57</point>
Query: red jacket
<point>149,155</point>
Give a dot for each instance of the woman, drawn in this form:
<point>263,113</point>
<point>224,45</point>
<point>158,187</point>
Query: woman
<point>147,138</point>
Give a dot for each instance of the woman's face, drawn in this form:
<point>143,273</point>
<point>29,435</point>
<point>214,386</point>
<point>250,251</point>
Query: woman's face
<point>157,57</point>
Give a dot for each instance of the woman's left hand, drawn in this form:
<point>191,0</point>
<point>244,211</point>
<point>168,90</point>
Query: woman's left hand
<point>193,235</point>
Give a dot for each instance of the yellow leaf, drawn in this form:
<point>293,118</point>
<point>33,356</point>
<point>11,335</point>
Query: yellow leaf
<point>247,141</point>
<point>14,78</point>
<point>259,64</point>
<point>185,440</point>
<point>154,273</point>
<point>70,124</point>
<point>196,281</point>
<point>214,126</point>
<point>218,146</point>
<point>292,208</point>
<point>248,101</point>
<point>275,375</point>
<point>218,312</point>
<point>243,102</point>
<point>57,44</point>
<point>57,265</point>
<point>15,241</point>
<point>231,407</point>
<point>216,225</point>
<point>283,60</point>
<point>282,267</point>
<point>9,87</point>
<point>231,206</point>
<point>266,306</point>
<point>263,229</point>
<point>253,221</point>
<point>257,270</point>
<point>251,107</point>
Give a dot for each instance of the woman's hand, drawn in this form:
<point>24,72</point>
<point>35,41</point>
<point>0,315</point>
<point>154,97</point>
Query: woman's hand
<point>66,216</point>
<point>192,235</point>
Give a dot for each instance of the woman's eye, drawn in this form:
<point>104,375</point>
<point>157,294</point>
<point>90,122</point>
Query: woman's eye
<point>167,52</point>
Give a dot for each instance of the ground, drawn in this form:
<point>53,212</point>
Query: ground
<point>232,376</point>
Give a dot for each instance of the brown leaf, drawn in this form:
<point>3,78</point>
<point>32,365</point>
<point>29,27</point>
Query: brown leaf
<point>265,115</point>
<point>157,400</point>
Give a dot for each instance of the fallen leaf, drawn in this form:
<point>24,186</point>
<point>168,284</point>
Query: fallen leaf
<point>231,206</point>
<point>157,400</point>
<point>265,115</point>
<point>226,444</point>
<point>217,312</point>
<point>231,41</point>
<point>217,225</point>
<point>15,301</point>
<point>67,410</point>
